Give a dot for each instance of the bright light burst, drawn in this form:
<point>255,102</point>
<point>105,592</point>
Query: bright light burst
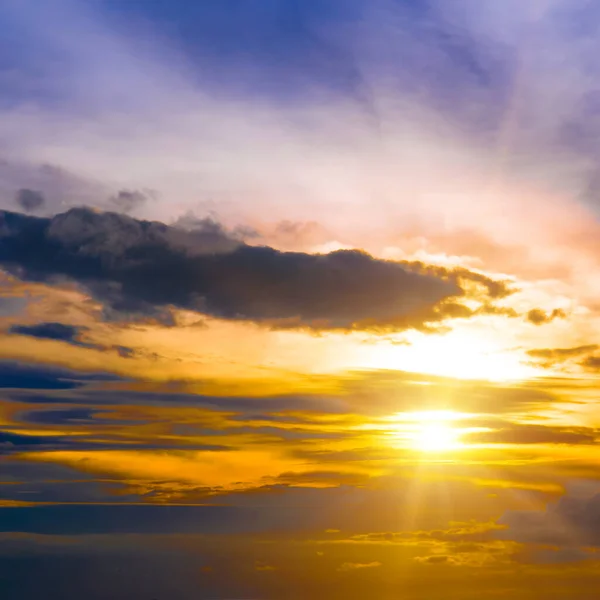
<point>436,437</point>
<point>467,352</point>
<point>430,431</point>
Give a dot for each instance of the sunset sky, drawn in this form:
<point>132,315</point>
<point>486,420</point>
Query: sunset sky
<point>299,299</point>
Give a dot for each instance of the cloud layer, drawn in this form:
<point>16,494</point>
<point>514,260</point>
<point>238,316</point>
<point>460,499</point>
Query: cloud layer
<point>139,266</point>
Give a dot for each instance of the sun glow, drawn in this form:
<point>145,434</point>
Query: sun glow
<point>462,353</point>
<point>429,431</point>
<point>436,437</point>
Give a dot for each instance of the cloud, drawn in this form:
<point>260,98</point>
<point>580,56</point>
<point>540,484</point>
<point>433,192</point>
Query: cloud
<point>551,357</point>
<point>352,566</point>
<point>45,187</point>
<point>591,363</point>
<point>69,334</point>
<point>14,375</point>
<point>373,394</point>
<point>48,482</point>
<point>572,521</point>
<point>129,200</point>
<point>208,226</point>
<point>49,331</point>
<point>435,559</point>
<point>537,316</point>
<point>495,288</point>
<point>17,443</point>
<point>561,354</point>
<point>473,532</point>
<point>533,434</point>
<point>466,83</point>
<point>120,260</point>
<point>30,200</point>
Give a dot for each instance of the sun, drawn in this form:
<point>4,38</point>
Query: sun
<point>436,437</point>
<point>434,431</point>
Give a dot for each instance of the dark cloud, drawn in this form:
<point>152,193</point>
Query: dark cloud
<point>15,443</point>
<point>537,316</point>
<point>30,200</point>
<point>47,482</point>
<point>71,416</point>
<point>66,333</point>
<point>205,225</point>
<point>274,434</point>
<point>124,351</point>
<point>49,331</point>
<point>137,266</point>
<point>246,406</point>
<point>129,200</point>
<point>572,521</point>
<point>40,377</point>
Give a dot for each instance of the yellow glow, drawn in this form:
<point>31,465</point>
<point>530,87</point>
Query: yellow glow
<point>462,353</point>
<point>433,431</point>
<point>436,437</point>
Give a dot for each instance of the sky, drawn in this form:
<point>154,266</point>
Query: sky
<point>299,299</point>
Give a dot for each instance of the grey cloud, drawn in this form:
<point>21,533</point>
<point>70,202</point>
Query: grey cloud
<point>50,331</point>
<point>69,334</point>
<point>537,316</point>
<point>50,482</point>
<point>17,376</point>
<point>65,388</point>
<point>378,393</point>
<point>138,266</point>
<point>30,200</point>
<point>73,416</point>
<point>12,442</point>
<point>55,186</point>
<point>390,392</point>
<point>572,521</point>
<point>129,200</point>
